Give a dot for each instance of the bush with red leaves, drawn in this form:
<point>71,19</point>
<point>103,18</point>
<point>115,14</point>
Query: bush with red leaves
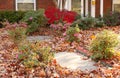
<point>55,15</point>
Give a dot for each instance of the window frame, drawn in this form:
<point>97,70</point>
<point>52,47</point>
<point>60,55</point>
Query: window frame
<point>16,5</point>
<point>113,5</point>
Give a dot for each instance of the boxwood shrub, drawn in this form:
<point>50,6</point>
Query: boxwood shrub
<point>11,16</point>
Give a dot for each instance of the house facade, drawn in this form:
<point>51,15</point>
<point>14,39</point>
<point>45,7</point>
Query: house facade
<point>25,4</point>
<point>93,8</point>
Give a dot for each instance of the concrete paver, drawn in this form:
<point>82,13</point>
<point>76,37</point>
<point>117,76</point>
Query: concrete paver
<point>74,61</point>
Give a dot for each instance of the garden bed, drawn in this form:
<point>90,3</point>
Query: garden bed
<point>27,47</point>
<point>11,67</point>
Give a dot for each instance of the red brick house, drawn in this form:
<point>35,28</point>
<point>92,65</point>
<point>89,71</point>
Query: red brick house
<point>25,4</point>
<point>84,7</point>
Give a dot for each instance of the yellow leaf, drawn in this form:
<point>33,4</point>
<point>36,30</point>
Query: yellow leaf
<point>92,37</point>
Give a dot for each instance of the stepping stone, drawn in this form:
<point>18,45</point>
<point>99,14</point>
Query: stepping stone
<point>74,61</point>
<point>38,38</point>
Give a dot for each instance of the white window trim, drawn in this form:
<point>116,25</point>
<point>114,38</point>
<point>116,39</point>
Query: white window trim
<point>16,5</point>
<point>82,8</point>
<point>113,7</point>
<point>68,5</point>
<point>93,8</point>
<point>59,4</point>
<point>86,9</point>
<point>101,8</point>
<point>35,6</point>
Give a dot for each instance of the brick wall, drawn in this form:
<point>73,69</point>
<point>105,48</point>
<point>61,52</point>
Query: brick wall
<point>45,4</point>
<point>97,9</point>
<point>7,4</point>
<point>89,7</point>
<point>10,4</point>
<point>107,6</point>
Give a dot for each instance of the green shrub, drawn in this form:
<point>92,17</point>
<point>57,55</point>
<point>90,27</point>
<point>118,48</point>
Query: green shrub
<point>45,54</point>
<point>99,22</point>
<point>112,19</point>
<point>11,16</point>
<point>78,16</point>
<point>32,27</point>
<point>73,34</point>
<point>32,55</point>
<point>34,19</point>
<point>102,46</point>
<point>27,57</point>
<point>86,23</point>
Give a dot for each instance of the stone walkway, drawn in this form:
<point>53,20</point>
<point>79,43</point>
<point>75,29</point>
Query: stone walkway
<point>74,61</point>
<point>38,38</point>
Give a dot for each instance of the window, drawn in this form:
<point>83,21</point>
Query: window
<point>76,5</point>
<point>24,5</point>
<point>64,4</point>
<point>116,5</point>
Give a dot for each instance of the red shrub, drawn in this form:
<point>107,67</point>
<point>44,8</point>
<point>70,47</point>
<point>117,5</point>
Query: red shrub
<point>55,15</point>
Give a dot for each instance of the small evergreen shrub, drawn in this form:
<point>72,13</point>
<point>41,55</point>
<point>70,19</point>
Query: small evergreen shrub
<point>102,46</point>
<point>34,19</point>
<point>32,27</point>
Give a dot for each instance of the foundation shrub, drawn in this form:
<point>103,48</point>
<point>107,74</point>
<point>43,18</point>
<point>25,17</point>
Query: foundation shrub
<point>99,22</point>
<point>11,16</point>
<point>112,19</point>
<point>86,23</point>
